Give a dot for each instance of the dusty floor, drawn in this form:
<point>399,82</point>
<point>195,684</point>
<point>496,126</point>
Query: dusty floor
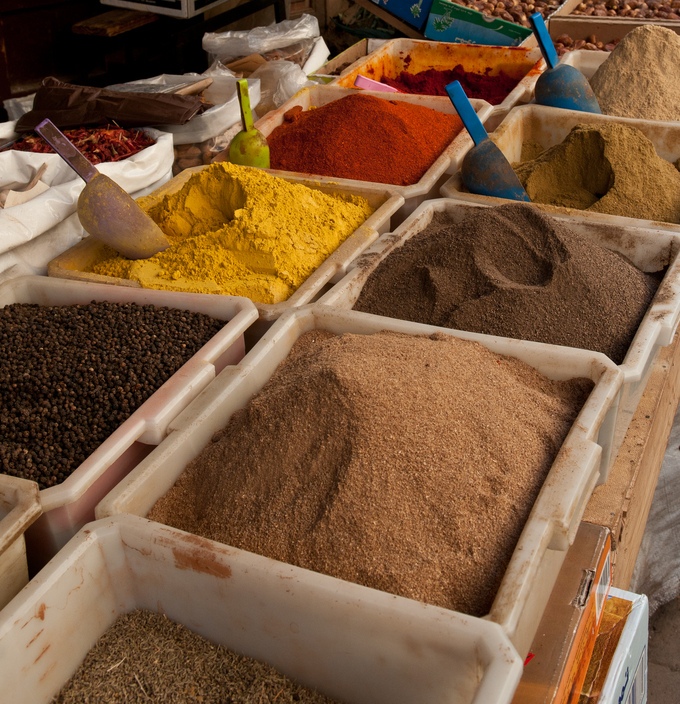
<point>664,655</point>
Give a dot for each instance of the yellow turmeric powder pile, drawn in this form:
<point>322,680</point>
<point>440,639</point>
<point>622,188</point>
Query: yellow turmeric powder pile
<point>240,232</point>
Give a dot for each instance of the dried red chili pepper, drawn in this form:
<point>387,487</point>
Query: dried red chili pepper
<point>97,144</point>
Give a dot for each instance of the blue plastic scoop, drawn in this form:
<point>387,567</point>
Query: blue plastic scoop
<point>484,170</point>
<point>560,85</point>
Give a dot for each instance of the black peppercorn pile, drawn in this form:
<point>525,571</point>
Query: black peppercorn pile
<point>70,375</point>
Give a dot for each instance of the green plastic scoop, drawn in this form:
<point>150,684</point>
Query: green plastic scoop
<point>249,147</point>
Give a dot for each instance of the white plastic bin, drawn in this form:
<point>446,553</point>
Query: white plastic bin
<point>446,163</point>
<point>558,509</point>
<point>72,263</point>
<point>19,507</point>
<point>587,62</point>
<point>550,126</point>
<point>69,505</point>
<point>415,55</point>
<point>650,250</point>
<point>352,643</point>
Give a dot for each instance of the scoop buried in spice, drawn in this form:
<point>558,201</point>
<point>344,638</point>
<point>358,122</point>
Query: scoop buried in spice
<point>249,147</point>
<point>484,170</point>
<point>105,210</point>
<point>561,85</point>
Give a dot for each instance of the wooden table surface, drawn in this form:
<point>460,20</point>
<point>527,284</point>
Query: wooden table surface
<point>623,503</point>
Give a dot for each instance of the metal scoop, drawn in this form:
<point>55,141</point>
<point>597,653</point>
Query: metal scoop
<point>105,210</point>
<point>561,85</point>
<point>484,170</point>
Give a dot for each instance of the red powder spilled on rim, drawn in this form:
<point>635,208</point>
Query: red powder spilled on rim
<point>494,89</point>
<point>364,138</point>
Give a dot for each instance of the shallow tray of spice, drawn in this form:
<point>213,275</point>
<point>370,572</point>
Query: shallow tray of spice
<point>366,421</point>
<point>406,141</point>
<point>498,74</point>
<point>241,231</point>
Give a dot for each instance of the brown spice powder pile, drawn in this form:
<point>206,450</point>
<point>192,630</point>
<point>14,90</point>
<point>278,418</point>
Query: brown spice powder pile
<point>145,657</point>
<point>512,271</point>
<point>408,464</point>
<point>610,168</point>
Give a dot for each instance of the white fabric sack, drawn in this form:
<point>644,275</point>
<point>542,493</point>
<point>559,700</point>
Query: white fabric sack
<point>226,46</point>
<point>21,224</point>
<point>216,120</point>
<point>657,568</point>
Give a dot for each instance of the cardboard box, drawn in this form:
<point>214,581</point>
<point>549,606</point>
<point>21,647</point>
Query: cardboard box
<point>449,22</point>
<point>617,673</point>
<point>413,12</point>
<point>557,664</point>
<point>172,8</point>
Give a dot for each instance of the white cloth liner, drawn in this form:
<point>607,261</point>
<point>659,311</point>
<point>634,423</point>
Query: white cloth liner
<point>35,232</point>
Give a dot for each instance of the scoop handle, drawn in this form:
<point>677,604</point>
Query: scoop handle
<point>466,112</point>
<point>66,150</point>
<point>244,103</point>
<point>544,40</point>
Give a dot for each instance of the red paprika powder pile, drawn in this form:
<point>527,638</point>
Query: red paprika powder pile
<point>493,89</point>
<point>364,138</point>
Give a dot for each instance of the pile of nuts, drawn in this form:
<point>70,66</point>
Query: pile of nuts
<point>514,10</point>
<point>647,9</point>
<point>188,155</point>
<point>565,43</point>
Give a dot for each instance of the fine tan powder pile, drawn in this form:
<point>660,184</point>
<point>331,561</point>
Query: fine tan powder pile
<point>407,464</point>
<point>640,77</point>
<point>146,657</point>
<point>608,168</point>
<point>513,271</point>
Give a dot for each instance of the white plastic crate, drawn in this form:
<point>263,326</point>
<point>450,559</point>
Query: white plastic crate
<point>72,263</point>
<point>649,249</point>
<point>550,126</point>
<point>556,514</point>
<point>414,55</point>
<point>19,507</point>
<point>413,195</point>
<point>587,62</point>
<point>352,643</point>
<point>69,505</point>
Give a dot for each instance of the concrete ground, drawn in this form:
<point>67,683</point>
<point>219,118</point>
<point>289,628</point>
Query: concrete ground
<point>664,655</point>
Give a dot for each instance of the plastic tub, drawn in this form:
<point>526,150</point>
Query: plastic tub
<point>69,505</point>
<point>72,263</point>
<point>556,514</point>
<point>549,126</point>
<point>352,643</point>
<point>650,250</point>
<point>434,177</point>
<point>19,507</point>
<point>414,55</point>
<point>587,62</point>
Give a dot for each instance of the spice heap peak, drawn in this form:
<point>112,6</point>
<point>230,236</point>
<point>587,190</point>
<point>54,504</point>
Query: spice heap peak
<point>240,231</point>
<point>609,168</point>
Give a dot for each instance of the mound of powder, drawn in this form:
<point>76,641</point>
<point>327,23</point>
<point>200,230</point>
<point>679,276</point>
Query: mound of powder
<point>640,77</point>
<point>408,464</point>
<point>364,138</point>
<point>609,168</point>
<point>512,271</point>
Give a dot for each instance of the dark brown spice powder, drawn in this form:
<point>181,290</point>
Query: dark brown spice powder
<point>513,271</point>
<point>404,463</point>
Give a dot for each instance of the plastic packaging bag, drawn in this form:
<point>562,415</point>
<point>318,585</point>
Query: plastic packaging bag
<point>279,81</point>
<point>33,233</point>
<point>226,46</point>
